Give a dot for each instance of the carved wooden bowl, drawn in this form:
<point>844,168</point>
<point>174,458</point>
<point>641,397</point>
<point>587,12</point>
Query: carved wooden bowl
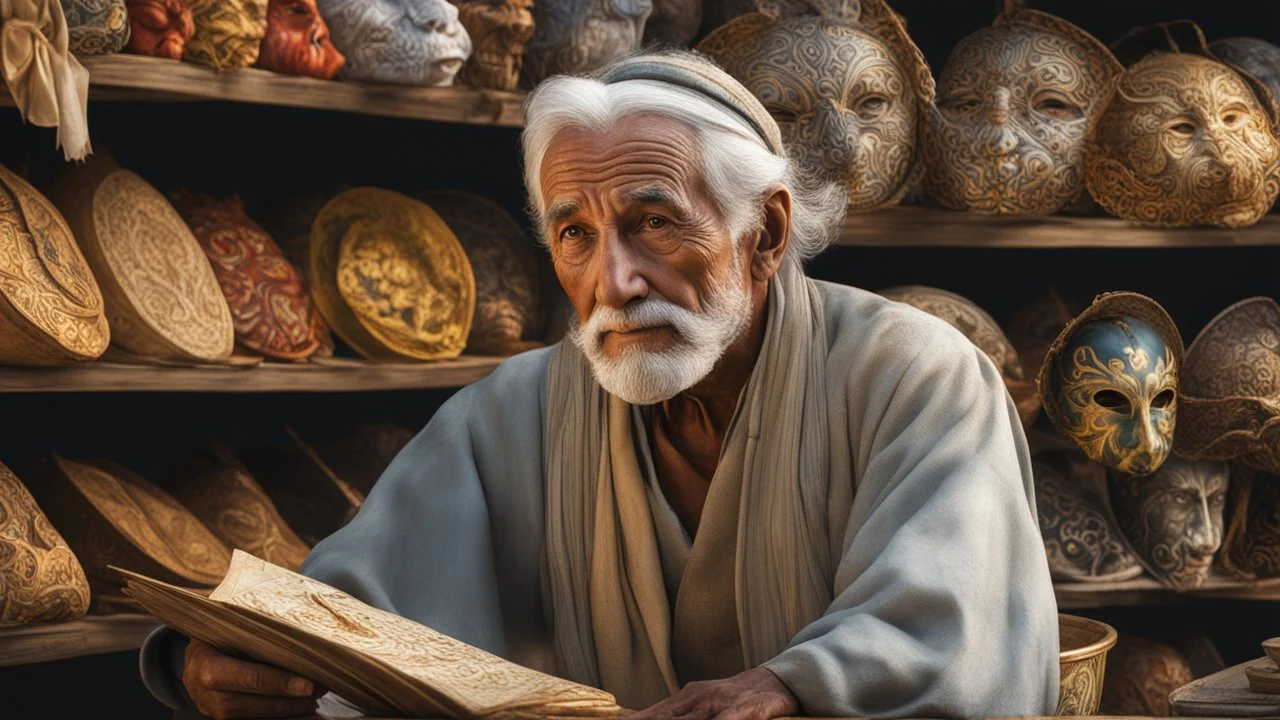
<point>50,306</point>
<point>40,578</point>
<point>161,296</point>
<point>1082,661</point>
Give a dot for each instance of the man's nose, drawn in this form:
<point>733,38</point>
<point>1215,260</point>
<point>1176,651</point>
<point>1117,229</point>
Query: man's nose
<point>620,279</point>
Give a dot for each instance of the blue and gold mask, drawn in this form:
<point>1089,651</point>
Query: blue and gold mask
<point>1112,383</point>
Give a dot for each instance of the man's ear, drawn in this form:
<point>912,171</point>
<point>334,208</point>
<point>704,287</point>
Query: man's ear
<point>774,235</point>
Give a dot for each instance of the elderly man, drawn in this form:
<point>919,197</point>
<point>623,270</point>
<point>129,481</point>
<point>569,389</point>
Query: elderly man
<point>734,492</point>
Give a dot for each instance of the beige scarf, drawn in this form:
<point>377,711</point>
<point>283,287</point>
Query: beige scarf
<point>762,546</point>
<point>49,86</point>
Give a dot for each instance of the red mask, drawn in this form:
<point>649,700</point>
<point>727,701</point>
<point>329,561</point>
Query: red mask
<point>297,41</point>
<point>159,28</point>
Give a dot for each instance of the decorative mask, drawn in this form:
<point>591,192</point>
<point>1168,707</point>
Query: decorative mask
<point>361,454</point>
<point>1257,57</point>
<point>1251,544</point>
<point>160,28</point>
<point>501,256</point>
<point>673,22</point>
<point>1140,676</point>
<point>269,303</point>
<point>223,494</point>
<point>1173,518</point>
<point>50,305</point>
<point>982,330</point>
<point>297,41</point>
<point>1110,382</point>
<point>391,277</point>
<point>1231,388</point>
<point>311,498</point>
<point>499,29</point>
<point>408,42</point>
<point>1081,541</point>
<point>228,33</point>
<point>577,36</point>
<point>1015,104</point>
<point>96,27</point>
<point>850,92</point>
<point>40,578</point>
<point>1187,140</point>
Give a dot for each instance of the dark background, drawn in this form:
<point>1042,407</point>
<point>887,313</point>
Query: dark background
<point>263,153</point>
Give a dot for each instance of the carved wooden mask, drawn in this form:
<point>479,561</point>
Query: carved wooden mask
<point>96,27</point>
<point>228,33</point>
<point>408,42</point>
<point>1173,518</point>
<point>160,28</point>
<point>1187,140</point>
<point>297,41</point>
<point>499,30</point>
<point>1015,104</point>
<point>850,93</point>
<point>578,36</point>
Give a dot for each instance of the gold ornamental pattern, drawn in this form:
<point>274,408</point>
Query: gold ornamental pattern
<point>50,306</point>
<point>1186,140</point>
<point>228,33</point>
<point>40,578</point>
<point>1080,687</point>
<point>162,298</point>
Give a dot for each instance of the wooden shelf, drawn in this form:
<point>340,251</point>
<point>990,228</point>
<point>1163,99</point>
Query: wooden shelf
<point>138,78</point>
<point>1146,591</point>
<point>334,375</point>
<point>926,227</point>
<point>91,635</point>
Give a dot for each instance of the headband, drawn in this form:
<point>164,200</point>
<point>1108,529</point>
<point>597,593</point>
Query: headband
<point>693,72</point>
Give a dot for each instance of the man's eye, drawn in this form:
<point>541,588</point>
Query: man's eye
<point>573,232</point>
<point>655,223</point>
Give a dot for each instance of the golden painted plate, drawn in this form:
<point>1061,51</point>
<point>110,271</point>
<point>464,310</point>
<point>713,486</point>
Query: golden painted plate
<point>50,306</point>
<point>162,297</point>
<point>390,277</point>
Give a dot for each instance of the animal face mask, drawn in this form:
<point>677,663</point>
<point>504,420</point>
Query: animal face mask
<point>409,42</point>
<point>848,94</point>
<point>1173,518</point>
<point>160,28</point>
<point>1187,140</point>
<point>297,41</point>
<point>1015,102</point>
<point>499,32</point>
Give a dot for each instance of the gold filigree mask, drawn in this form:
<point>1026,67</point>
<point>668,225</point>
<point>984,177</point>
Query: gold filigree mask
<point>849,94</point>
<point>1110,382</point>
<point>1186,140</point>
<point>1015,102</point>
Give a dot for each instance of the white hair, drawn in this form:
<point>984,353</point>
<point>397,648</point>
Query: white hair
<point>737,166</point>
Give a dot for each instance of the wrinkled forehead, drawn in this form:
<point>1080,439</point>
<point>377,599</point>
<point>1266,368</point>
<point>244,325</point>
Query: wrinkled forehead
<point>1201,476</point>
<point>1008,54</point>
<point>1180,83</point>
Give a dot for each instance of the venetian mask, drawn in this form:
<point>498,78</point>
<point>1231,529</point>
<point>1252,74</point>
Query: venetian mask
<point>1173,518</point>
<point>1110,382</point>
<point>96,27</point>
<point>673,22</point>
<point>1081,542</point>
<point>848,93</point>
<point>228,33</point>
<point>409,42</point>
<point>499,30</point>
<point>1187,140</point>
<point>1015,104</point>
<point>297,41</point>
<point>578,36</point>
<point>160,28</point>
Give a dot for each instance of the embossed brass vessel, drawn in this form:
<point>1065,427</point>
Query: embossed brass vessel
<point>50,305</point>
<point>161,296</point>
<point>391,277</point>
<point>1082,662</point>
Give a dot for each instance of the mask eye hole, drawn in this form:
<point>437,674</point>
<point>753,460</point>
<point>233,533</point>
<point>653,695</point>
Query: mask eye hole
<point>871,107</point>
<point>1183,129</point>
<point>1163,400</point>
<point>1113,401</point>
<point>782,116</point>
<point>1057,107</point>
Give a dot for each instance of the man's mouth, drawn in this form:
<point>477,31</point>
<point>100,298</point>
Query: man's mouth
<point>626,336</point>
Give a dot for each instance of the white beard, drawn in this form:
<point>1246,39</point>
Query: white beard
<point>641,377</point>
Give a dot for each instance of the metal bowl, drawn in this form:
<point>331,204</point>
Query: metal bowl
<point>1083,662</point>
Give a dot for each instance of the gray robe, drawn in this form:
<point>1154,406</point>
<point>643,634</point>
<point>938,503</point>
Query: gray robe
<point>942,606</point>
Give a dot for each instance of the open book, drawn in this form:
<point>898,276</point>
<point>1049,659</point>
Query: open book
<point>382,662</point>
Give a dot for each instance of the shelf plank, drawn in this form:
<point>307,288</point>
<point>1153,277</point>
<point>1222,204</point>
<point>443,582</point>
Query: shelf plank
<point>1145,591</point>
<point>91,635</point>
<point>336,375</point>
<point>148,79</point>
<point>927,227</point>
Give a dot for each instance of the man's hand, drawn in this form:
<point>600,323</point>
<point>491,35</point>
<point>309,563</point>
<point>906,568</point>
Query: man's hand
<point>756,694</point>
<point>223,687</point>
